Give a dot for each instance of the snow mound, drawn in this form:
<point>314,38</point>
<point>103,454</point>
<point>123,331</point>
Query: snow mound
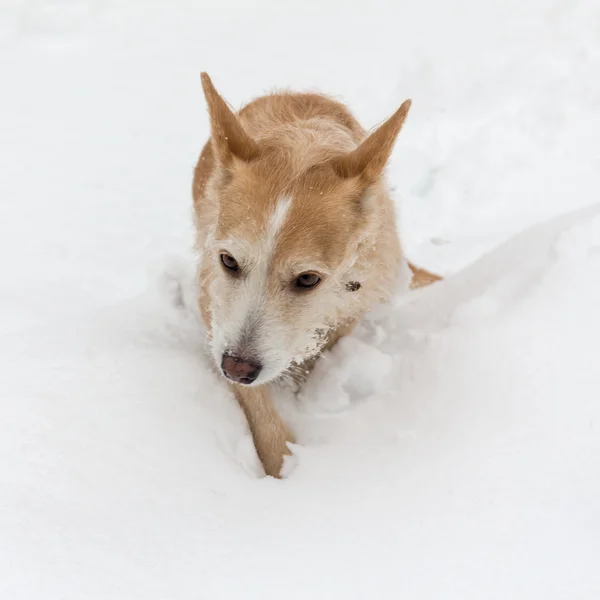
<point>448,449</point>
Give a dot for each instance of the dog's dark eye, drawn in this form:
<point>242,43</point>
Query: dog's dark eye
<point>306,281</point>
<point>229,262</point>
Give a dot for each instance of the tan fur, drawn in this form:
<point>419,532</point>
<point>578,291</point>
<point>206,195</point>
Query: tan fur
<point>291,184</point>
<point>421,277</point>
<point>269,433</point>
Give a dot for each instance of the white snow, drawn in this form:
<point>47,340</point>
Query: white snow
<point>450,449</point>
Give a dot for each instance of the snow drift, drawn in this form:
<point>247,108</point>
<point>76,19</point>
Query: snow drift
<point>448,449</point>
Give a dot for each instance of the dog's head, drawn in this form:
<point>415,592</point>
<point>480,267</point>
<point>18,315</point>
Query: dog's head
<point>293,211</point>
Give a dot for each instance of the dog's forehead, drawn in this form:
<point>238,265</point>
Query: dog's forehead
<point>308,217</point>
<point>315,229</point>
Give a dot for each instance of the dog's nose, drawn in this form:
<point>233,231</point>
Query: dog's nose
<point>239,370</point>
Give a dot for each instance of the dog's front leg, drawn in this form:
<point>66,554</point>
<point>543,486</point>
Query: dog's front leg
<point>268,429</point>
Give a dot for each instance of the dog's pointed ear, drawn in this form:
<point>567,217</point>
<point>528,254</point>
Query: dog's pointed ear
<point>228,136</point>
<point>369,159</point>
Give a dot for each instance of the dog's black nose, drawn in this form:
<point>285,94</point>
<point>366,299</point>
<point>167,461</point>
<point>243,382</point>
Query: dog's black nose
<point>239,370</point>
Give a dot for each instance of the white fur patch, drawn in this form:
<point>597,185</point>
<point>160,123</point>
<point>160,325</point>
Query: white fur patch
<point>276,221</point>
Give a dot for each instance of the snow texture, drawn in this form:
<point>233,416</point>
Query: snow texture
<point>449,449</point>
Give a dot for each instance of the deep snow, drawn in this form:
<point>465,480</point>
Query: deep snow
<point>449,449</point>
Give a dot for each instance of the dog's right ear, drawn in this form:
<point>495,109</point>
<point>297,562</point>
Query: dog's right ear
<point>228,136</point>
<point>369,159</point>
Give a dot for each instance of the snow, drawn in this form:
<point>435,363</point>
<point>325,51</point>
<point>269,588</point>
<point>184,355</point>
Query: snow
<point>448,449</point>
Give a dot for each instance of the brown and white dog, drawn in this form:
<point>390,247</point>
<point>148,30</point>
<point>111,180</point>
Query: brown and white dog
<point>297,239</point>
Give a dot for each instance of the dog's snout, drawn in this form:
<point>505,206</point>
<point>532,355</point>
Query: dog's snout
<point>240,370</point>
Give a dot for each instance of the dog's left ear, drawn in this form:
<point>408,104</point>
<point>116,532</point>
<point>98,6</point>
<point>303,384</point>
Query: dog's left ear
<point>228,136</point>
<point>369,159</point>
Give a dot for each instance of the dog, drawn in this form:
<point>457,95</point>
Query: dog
<point>296,236</point>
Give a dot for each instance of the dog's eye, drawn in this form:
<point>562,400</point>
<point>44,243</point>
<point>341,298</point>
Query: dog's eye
<point>229,262</point>
<point>306,281</point>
